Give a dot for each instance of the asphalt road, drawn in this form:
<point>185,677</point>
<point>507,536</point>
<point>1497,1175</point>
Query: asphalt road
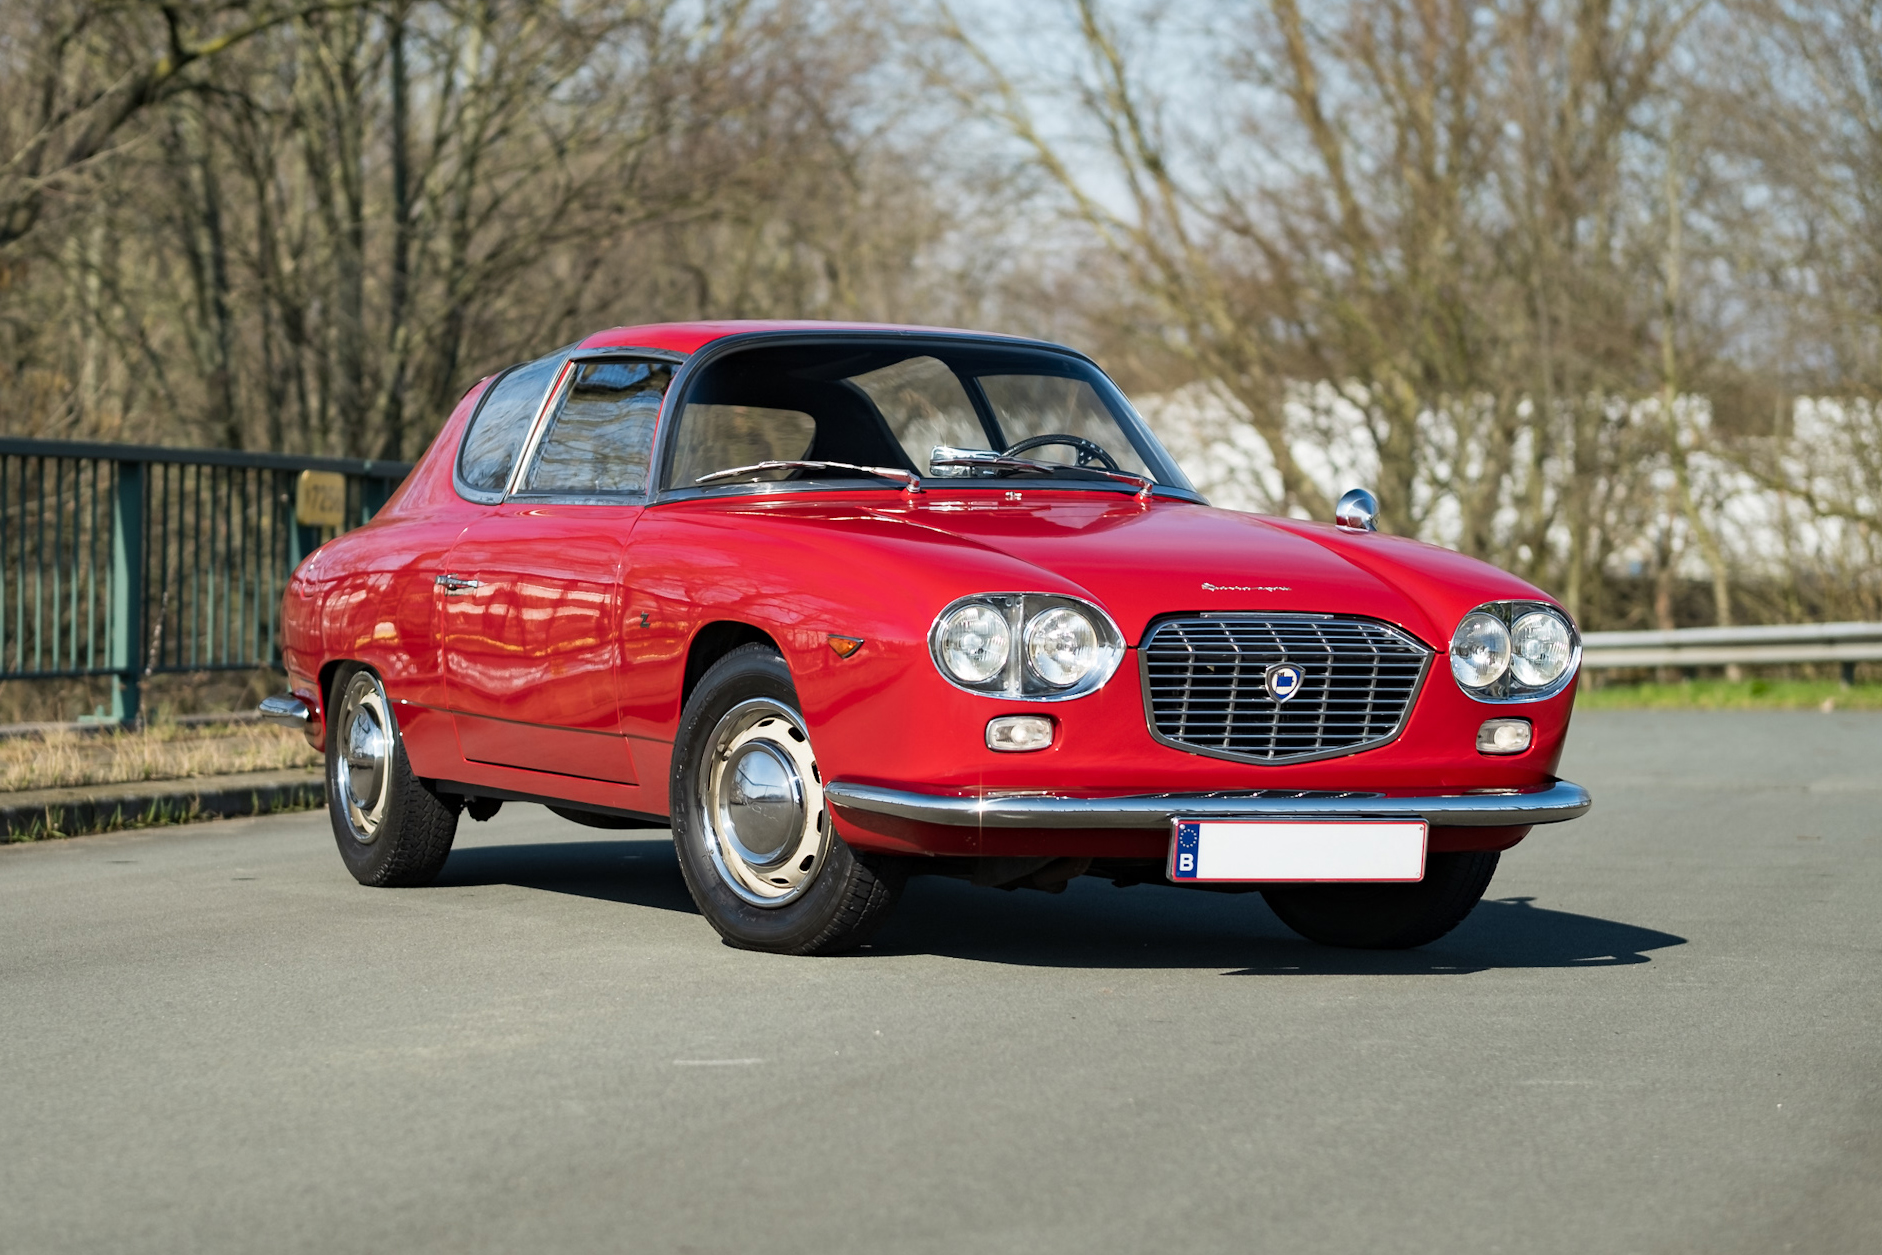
<point>1659,1033</point>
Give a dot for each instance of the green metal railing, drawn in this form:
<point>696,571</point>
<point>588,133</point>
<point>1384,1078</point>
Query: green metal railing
<point>129,560</point>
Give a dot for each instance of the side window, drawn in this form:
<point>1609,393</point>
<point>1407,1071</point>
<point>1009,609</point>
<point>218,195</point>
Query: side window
<point>602,437</point>
<point>496,435</point>
<point>720,437</point>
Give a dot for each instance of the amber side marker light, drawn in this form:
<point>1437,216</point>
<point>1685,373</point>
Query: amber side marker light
<point>1504,736</point>
<point>1017,734</point>
<point>845,645</point>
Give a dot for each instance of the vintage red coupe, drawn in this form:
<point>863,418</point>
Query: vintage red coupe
<point>841,604</point>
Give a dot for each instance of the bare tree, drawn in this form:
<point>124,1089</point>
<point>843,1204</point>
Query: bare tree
<point>364,206</point>
<point>81,72</point>
<point>1426,205</point>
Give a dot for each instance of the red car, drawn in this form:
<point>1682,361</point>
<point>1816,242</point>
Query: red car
<point>839,604</point>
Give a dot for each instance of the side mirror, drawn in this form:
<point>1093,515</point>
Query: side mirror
<point>1358,511</point>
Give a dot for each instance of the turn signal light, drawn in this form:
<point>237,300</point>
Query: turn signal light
<point>1017,734</point>
<point>1504,736</point>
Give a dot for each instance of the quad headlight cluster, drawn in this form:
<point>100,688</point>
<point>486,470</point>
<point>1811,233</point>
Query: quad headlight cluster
<point>1033,646</point>
<point>1514,651</point>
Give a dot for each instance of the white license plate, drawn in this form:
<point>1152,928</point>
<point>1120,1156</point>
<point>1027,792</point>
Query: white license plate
<point>1282,850</point>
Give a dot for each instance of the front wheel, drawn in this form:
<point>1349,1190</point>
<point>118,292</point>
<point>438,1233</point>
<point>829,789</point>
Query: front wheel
<point>1388,917</point>
<point>754,838</point>
<point>392,831</point>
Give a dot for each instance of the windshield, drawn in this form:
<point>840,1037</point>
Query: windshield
<point>937,410</point>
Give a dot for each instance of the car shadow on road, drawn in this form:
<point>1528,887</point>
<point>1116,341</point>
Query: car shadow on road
<point>634,872</point>
<point>1093,925</point>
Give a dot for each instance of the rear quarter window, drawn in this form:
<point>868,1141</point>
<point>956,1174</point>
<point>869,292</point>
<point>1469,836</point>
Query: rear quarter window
<point>497,431</point>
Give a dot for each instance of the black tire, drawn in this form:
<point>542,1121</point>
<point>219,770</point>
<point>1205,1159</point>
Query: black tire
<point>1388,917</point>
<point>831,899</point>
<point>392,831</point>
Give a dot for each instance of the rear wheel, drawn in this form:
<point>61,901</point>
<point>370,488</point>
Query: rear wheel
<point>392,831</point>
<point>755,841</point>
<point>1388,917</point>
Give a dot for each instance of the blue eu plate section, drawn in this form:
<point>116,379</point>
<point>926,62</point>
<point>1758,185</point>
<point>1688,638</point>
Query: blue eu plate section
<point>1188,841</point>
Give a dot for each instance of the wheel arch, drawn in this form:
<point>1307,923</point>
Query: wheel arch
<point>329,672</point>
<point>714,641</point>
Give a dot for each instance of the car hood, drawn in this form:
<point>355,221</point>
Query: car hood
<point>1140,560</point>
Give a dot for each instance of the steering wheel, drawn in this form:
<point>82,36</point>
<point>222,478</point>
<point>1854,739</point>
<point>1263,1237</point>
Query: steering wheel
<point>1089,451</point>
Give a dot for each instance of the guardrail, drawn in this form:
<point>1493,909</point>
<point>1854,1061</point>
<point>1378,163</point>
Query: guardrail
<point>132,560</point>
<point>1844,643</point>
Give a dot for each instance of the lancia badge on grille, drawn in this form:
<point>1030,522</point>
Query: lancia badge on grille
<point>1284,680</point>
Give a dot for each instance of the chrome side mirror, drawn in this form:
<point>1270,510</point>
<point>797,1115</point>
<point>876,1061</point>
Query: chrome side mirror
<point>1358,511</point>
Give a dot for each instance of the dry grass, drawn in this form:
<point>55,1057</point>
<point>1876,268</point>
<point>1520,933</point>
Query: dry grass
<point>165,696</point>
<point>158,752</point>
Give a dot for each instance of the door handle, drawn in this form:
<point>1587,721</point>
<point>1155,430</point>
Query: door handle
<point>456,584</point>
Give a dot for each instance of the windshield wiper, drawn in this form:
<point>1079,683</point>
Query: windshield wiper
<point>908,479</point>
<point>977,458</point>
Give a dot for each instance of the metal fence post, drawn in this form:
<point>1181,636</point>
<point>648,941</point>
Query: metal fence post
<point>374,490</point>
<point>123,561</point>
<point>127,589</point>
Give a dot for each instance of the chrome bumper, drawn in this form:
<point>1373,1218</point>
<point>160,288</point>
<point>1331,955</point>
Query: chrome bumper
<point>1489,808</point>
<point>285,709</point>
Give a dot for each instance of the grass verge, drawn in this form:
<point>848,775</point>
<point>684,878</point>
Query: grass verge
<point>1755,694</point>
<point>83,816</point>
<point>159,752</point>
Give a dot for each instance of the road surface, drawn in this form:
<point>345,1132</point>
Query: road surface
<point>1659,1033</point>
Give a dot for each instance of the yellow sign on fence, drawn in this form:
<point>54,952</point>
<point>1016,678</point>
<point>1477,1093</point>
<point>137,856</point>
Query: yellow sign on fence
<point>320,499</point>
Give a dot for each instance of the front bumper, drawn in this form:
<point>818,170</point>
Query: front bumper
<point>1483,808</point>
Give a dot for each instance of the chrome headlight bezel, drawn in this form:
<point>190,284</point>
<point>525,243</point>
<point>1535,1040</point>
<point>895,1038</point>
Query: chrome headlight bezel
<point>1506,688</point>
<point>1017,681</point>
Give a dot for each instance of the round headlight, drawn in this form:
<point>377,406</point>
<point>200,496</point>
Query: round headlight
<point>1480,650</point>
<point>974,643</point>
<point>1061,647</point>
<point>1540,649</point>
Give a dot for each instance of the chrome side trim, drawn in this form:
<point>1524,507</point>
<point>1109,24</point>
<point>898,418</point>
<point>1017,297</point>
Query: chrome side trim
<point>1490,808</point>
<point>287,710</point>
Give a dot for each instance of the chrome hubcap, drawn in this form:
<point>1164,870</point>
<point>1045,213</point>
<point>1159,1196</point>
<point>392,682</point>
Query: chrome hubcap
<point>365,757</point>
<point>761,804</point>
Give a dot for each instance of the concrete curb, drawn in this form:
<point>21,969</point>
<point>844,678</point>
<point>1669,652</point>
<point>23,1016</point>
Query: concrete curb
<point>38,813</point>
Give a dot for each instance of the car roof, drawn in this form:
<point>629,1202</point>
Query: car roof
<point>687,337</point>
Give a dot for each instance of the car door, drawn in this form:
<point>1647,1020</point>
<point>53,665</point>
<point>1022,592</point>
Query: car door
<point>530,602</point>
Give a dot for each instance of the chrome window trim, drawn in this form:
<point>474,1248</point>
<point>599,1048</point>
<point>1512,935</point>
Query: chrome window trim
<point>484,496</point>
<point>1504,691</point>
<point>1398,729</point>
<point>711,352</point>
<point>551,403</point>
<point>534,436</point>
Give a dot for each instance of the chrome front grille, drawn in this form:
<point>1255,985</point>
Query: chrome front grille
<point>1205,685</point>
